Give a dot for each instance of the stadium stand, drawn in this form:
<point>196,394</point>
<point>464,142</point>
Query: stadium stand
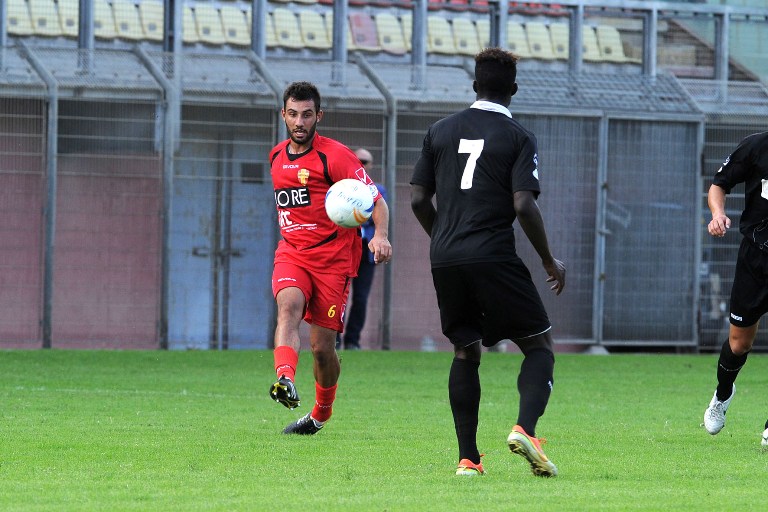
<point>539,40</point>
<point>439,36</point>
<point>313,31</point>
<point>364,34</point>
<point>151,15</point>
<point>611,47</point>
<point>188,26</point>
<point>103,20</point>
<point>465,36</point>
<point>68,17</point>
<point>127,20</point>
<point>517,41</point>
<point>287,28</point>
<point>18,18</point>
<point>390,32</point>
<point>208,23</point>
<point>45,21</point>
<point>235,26</point>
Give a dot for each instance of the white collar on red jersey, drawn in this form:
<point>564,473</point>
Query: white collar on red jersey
<point>493,107</point>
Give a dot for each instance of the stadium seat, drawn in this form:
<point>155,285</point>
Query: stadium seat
<point>306,1</point>
<point>611,47</point>
<point>517,40</point>
<point>69,17</point>
<point>440,36</point>
<point>188,26</point>
<point>591,48</point>
<point>313,31</point>
<point>235,26</point>
<point>127,20</point>
<point>465,36</point>
<point>103,20</point>
<point>390,32</point>
<point>364,32</point>
<point>45,21</point>
<point>407,22</point>
<point>270,24</point>
<point>539,41</point>
<point>152,17</point>
<point>19,21</point>
<point>287,28</point>
<point>208,23</point>
<point>559,33</point>
<point>350,40</point>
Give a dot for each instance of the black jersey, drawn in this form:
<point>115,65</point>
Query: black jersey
<point>748,164</point>
<point>474,161</point>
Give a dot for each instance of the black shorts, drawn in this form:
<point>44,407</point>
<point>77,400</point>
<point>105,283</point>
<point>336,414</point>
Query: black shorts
<point>749,294</point>
<point>490,301</point>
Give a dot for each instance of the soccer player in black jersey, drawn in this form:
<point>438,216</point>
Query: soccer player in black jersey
<point>482,167</point>
<point>747,164</point>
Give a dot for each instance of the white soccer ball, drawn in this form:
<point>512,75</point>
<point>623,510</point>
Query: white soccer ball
<point>349,202</point>
<point>764,440</point>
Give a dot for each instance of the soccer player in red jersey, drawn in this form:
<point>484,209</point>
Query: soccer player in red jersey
<point>316,259</point>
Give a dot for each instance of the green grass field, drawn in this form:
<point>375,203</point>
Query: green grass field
<point>189,431</point>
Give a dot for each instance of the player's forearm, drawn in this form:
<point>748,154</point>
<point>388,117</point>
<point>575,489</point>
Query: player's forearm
<point>380,218</point>
<point>716,201</point>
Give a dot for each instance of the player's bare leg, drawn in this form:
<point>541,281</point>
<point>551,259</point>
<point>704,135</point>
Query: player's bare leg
<point>290,311</point>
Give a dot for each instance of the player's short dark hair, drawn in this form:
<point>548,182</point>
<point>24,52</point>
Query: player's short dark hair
<point>495,70</point>
<point>302,91</point>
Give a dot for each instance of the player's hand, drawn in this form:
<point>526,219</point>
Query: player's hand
<point>719,225</point>
<point>381,249</point>
<point>556,272</point>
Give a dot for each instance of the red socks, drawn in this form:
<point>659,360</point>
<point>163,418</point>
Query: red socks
<point>324,398</point>
<point>286,360</point>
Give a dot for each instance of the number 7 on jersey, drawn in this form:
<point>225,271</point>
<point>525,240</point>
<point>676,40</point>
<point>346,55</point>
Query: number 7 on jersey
<point>474,148</point>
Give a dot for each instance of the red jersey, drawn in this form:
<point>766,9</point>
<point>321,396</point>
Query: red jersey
<point>300,182</point>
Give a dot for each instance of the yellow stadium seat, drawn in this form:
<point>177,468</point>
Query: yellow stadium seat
<point>151,15</point>
<point>127,20</point>
<point>270,29</point>
<point>391,37</point>
<point>611,47</point>
<point>69,17</point>
<point>313,31</point>
<point>350,40</point>
<point>439,36</point>
<point>465,36</point>
<point>591,48</point>
<point>209,27</point>
<point>517,41</point>
<point>19,21</point>
<point>539,41</point>
<point>235,26</point>
<point>45,21</point>
<point>483,27</point>
<point>287,28</point>
<point>103,20</point>
<point>559,33</point>
<point>306,1</point>
<point>407,21</point>
<point>188,26</point>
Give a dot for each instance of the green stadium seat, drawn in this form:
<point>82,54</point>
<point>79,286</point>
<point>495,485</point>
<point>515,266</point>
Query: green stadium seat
<point>517,41</point>
<point>152,18</point>
<point>465,36</point>
<point>103,20</point>
<point>208,22</point>
<point>313,31</point>
<point>69,17</point>
<point>45,20</point>
<point>440,36</point>
<point>19,22</point>
<point>127,20</point>
<point>390,33</point>
<point>539,41</point>
<point>287,28</point>
<point>235,26</point>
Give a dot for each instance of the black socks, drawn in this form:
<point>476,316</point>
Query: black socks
<point>728,367</point>
<point>464,396</point>
<point>535,385</point>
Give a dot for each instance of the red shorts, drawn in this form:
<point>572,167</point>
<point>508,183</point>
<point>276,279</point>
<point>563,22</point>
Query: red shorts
<point>325,294</point>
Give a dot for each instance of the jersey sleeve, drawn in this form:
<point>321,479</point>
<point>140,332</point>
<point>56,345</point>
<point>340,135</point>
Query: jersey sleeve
<point>525,171</point>
<point>736,168</point>
<point>424,170</point>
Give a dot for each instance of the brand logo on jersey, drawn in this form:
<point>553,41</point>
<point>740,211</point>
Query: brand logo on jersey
<point>536,165</point>
<point>363,176</point>
<point>293,197</point>
<point>303,176</point>
<point>737,317</point>
<point>726,162</point>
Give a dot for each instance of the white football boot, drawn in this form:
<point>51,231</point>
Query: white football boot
<point>714,416</point>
